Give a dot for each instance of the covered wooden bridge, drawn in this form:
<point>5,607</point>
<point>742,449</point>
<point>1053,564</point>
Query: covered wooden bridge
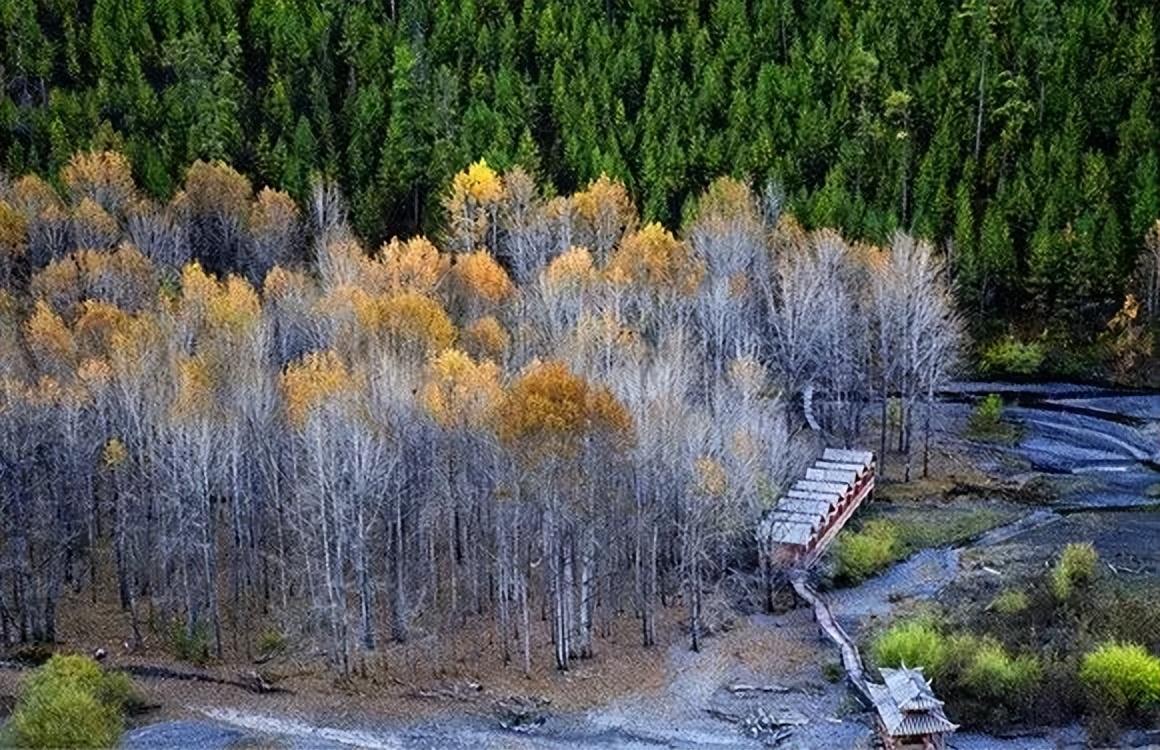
<point>797,530</point>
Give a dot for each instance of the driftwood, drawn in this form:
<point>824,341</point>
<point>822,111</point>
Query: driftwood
<point>520,714</point>
<point>466,692</point>
<point>251,681</point>
<point>743,688</point>
<point>772,727</point>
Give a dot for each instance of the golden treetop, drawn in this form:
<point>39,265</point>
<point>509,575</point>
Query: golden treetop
<point>197,286</point>
<point>487,337</point>
<point>316,378</point>
<point>49,337</point>
<point>606,209</point>
<point>13,230</point>
<point>114,453</point>
<point>215,187</point>
<point>571,269</point>
<point>96,326</point>
<point>479,182</point>
<point>58,284</point>
<point>709,478</point>
<point>414,265</point>
<point>653,258</point>
<point>101,176</point>
<point>35,197</point>
<point>282,284</point>
<point>272,211</point>
<point>407,318</point>
<point>234,306</point>
<point>550,408</point>
<point>460,391</point>
<point>94,373</point>
<point>728,199</point>
<point>479,276</point>
<point>196,388</point>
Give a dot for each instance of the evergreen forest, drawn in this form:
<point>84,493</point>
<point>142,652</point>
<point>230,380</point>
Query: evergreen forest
<point>1020,136</point>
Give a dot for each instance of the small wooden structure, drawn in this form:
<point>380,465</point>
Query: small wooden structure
<point>908,713</point>
<point>802,524</point>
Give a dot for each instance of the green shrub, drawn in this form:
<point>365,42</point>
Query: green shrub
<point>1010,356</point>
<point>832,671</point>
<point>71,702</point>
<point>1123,676</point>
<point>189,646</point>
<point>987,416</point>
<point>1076,568</point>
<point>914,643</point>
<point>863,553</point>
<point>992,673</point>
<point>1009,602</point>
<point>271,642</point>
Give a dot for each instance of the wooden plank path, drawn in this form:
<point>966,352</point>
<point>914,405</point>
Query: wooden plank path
<point>851,659</point>
<point>793,536</point>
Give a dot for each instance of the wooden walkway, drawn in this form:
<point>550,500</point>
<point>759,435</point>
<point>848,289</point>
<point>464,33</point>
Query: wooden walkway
<point>851,659</point>
<point>793,536</point>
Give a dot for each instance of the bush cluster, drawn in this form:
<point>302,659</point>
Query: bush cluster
<point>1123,676</point>
<point>1010,356</point>
<point>1075,569</point>
<point>1010,602</point>
<point>71,702</point>
<point>992,673</point>
<point>916,642</point>
<point>978,674</point>
<point>863,553</point>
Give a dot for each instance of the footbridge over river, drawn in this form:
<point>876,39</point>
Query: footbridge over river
<point>793,536</point>
<point>803,523</point>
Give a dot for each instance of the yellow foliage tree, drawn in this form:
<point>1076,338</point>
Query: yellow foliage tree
<point>709,478</point>
<point>479,278</point>
<point>198,288</point>
<point>550,409</point>
<point>282,284</point>
<point>605,212</point>
<point>317,378</point>
<point>487,337</point>
<point>114,453</point>
<point>58,284</point>
<point>96,326</point>
<point>215,187</point>
<point>196,389</point>
<point>33,197</point>
<point>412,320</point>
<point>571,270</point>
<point>234,307</point>
<point>414,265</point>
<point>104,177</point>
<point>272,211</point>
<point>471,206</point>
<point>50,340</point>
<point>13,231</point>
<point>654,259</point>
<point>459,391</point>
<point>342,261</point>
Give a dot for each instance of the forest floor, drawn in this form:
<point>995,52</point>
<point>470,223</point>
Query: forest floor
<point>984,513</point>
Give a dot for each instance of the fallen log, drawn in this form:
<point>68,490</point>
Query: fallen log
<point>251,681</point>
<point>744,688</point>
